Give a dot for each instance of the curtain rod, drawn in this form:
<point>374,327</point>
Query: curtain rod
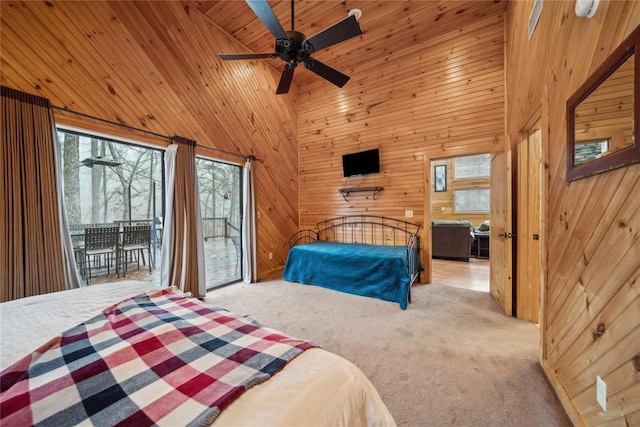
<point>249,157</point>
<point>110,122</point>
<point>169,138</point>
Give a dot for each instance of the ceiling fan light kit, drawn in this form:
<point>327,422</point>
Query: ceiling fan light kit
<point>294,47</point>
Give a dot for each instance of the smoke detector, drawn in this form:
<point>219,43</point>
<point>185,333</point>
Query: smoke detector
<point>586,8</point>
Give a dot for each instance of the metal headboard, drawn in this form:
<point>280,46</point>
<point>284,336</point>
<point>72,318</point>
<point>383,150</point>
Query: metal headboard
<point>371,229</point>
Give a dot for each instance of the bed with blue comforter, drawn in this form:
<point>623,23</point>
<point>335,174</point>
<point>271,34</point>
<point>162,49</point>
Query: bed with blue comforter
<point>364,255</point>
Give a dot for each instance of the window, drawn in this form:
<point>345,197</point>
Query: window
<point>467,167</point>
<point>106,180</point>
<point>220,205</point>
<point>471,200</point>
<point>590,150</point>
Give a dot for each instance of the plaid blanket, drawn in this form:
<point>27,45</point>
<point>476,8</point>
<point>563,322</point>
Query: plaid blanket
<point>155,359</point>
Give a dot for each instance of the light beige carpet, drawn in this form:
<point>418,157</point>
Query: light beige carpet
<point>451,359</point>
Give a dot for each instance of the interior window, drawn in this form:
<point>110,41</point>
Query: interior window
<point>471,200</point>
<point>468,167</point>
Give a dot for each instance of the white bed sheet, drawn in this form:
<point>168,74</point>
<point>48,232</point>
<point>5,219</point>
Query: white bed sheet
<point>317,388</point>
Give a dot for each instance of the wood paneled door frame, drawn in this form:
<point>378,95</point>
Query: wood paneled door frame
<point>529,262</point>
<point>530,214</point>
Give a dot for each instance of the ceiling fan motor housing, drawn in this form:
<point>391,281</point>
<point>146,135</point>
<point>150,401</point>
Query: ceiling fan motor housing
<point>293,49</point>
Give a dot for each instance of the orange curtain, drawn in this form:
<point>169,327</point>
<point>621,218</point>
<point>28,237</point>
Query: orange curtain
<point>31,253</point>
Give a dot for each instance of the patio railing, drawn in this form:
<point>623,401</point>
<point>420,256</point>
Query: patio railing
<point>214,227</point>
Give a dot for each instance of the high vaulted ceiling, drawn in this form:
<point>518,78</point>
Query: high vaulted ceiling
<point>387,25</point>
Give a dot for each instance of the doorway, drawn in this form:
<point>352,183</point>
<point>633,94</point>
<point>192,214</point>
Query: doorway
<point>460,200</point>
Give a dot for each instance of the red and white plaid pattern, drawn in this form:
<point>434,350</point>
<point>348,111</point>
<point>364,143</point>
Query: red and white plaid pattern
<point>156,359</point>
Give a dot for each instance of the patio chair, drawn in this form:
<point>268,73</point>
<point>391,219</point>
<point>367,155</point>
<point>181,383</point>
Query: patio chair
<point>100,243</point>
<point>76,232</point>
<point>135,239</point>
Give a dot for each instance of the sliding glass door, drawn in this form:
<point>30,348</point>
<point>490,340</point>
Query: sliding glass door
<point>111,184</point>
<point>220,203</point>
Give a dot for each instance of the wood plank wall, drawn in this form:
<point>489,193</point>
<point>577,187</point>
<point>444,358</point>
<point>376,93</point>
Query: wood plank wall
<point>153,65</point>
<point>435,99</point>
<point>593,233</point>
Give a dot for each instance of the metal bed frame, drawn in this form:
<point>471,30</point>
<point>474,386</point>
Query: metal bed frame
<point>368,229</point>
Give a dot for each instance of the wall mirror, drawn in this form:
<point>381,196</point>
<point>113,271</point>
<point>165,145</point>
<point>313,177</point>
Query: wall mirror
<point>603,115</point>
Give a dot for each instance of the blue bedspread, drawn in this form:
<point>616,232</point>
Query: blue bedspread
<point>360,269</point>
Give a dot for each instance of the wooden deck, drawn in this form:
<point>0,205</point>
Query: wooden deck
<point>221,260</point>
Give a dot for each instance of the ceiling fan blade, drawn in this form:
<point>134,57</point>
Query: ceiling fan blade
<point>326,72</point>
<point>233,56</point>
<point>285,79</point>
<point>338,32</point>
<point>265,13</point>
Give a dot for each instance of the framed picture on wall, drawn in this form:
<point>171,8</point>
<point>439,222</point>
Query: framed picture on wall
<point>440,177</point>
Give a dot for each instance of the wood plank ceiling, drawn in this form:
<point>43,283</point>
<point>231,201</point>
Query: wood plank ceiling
<point>388,26</point>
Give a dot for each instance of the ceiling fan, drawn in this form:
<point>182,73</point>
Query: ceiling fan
<point>294,47</point>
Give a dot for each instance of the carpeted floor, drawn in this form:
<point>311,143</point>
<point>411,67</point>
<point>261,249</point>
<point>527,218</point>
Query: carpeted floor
<point>451,359</point>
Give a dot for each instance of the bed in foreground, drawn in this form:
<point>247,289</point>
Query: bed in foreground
<point>364,255</point>
<point>112,369</point>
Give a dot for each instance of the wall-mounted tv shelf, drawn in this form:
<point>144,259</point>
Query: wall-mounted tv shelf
<point>346,192</point>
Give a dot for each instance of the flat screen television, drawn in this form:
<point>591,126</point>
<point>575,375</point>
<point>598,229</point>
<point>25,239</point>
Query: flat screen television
<point>361,163</point>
